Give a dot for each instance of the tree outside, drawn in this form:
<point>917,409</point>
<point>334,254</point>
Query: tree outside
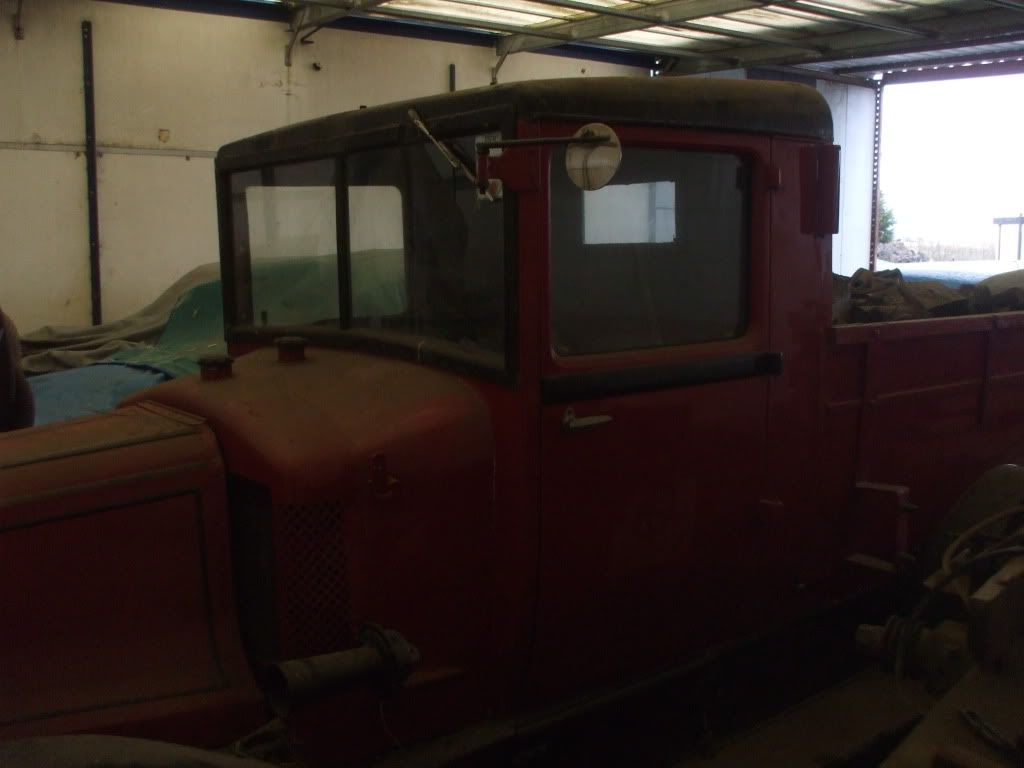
<point>886,220</point>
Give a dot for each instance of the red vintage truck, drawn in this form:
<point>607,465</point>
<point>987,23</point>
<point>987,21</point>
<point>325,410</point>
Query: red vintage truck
<point>536,394</point>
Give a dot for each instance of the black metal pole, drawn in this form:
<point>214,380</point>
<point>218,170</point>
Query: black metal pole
<point>451,78</point>
<point>90,171</point>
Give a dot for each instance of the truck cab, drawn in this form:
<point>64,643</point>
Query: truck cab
<point>560,435</point>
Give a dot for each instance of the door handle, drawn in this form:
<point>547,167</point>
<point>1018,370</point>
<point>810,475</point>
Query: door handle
<point>571,423</point>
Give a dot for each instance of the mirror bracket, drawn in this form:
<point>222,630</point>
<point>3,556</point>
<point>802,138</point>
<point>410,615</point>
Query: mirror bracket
<point>516,165</point>
<point>516,168</point>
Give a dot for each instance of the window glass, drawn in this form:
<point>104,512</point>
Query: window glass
<point>445,279</point>
<point>285,237</point>
<point>630,213</point>
<point>291,222</point>
<point>659,257</point>
<point>424,257</point>
<point>376,250</point>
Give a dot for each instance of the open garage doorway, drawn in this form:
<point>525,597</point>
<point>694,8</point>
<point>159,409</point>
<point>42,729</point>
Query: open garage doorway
<point>951,177</point>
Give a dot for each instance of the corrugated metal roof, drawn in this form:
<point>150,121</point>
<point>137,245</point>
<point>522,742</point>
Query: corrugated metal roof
<point>709,35</point>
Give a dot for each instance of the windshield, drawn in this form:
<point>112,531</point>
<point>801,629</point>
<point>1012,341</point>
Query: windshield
<point>421,257</point>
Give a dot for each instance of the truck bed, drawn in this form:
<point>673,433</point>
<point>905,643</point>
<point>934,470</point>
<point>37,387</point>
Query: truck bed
<point>926,404</point>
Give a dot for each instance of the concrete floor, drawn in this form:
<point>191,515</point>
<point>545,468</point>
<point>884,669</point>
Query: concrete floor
<point>822,729</point>
<point>803,701</point>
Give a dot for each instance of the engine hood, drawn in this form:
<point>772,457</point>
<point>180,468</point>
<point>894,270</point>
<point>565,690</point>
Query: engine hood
<point>336,422</point>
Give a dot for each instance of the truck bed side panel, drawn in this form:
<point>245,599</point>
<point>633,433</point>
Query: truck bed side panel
<point>926,404</point>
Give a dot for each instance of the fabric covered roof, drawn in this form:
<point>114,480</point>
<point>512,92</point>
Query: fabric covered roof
<point>699,103</point>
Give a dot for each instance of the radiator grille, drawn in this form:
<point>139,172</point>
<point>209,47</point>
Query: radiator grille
<point>312,581</point>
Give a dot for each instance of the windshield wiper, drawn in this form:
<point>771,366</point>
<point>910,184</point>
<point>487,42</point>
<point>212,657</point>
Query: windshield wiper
<point>450,154</point>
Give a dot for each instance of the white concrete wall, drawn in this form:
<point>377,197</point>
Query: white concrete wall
<point>204,79</point>
<point>853,118</point>
<point>44,251</point>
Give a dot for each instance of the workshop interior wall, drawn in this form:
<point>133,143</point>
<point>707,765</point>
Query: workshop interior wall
<point>173,86</point>
<point>170,88</point>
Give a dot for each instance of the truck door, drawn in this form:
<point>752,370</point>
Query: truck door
<point>654,402</point>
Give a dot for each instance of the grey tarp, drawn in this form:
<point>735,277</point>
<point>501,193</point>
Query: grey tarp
<point>871,297</point>
<point>57,348</point>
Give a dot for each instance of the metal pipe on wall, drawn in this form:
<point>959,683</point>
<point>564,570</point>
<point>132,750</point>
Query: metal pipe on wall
<point>91,175</point>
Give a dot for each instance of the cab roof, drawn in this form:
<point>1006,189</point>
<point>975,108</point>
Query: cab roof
<point>748,106</point>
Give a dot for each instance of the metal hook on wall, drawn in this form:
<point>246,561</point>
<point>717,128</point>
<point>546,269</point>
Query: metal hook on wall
<point>497,67</point>
<point>19,30</point>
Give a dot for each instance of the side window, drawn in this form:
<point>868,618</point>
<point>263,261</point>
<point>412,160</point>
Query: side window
<point>657,258</point>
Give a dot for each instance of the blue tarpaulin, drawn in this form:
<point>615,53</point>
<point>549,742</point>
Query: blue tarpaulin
<point>194,328</point>
<point>288,291</point>
<point>64,395</point>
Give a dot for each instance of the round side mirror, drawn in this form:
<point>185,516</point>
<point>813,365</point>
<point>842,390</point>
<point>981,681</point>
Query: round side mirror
<point>592,162</point>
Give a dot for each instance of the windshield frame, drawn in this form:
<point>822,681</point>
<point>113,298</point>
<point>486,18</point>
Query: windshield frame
<point>502,368</point>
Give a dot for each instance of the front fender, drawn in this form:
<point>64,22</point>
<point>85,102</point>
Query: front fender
<point>90,751</point>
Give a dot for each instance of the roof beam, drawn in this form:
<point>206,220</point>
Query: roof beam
<point>818,74</point>
<point>669,13</point>
<point>374,7</point>
<point>335,8</point>
<point>931,63</point>
<point>308,17</point>
<point>868,20</point>
<point>1012,5</point>
<point>610,21</point>
<point>649,20</point>
<point>857,34</point>
<point>549,35</point>
<point>761,39</point>
<point>973,28</point>
<point>959,72</point>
